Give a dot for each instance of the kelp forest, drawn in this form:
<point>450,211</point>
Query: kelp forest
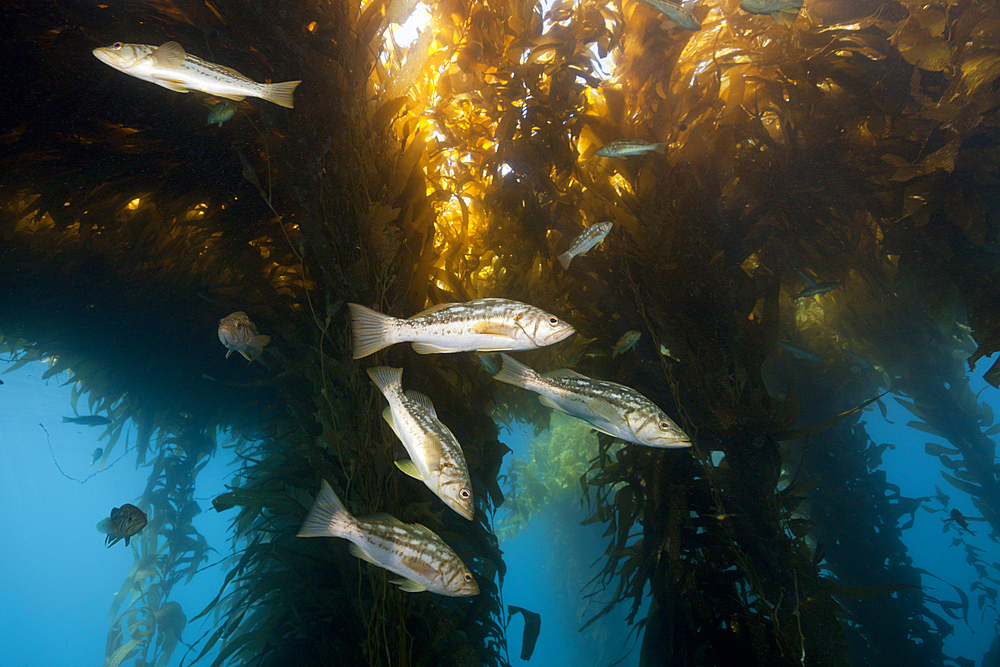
<point>853,152</point>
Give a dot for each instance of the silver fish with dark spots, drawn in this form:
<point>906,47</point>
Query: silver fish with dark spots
<point>239,334</point>
<point>481,325</point>
<point>782,11</point>
<point>412,551</point>
<point>611,408</point>
<point>629,147</point>
<point>170,66</point>
<point>678,12</point>
<point>587,239</point>
<point>436,458</point>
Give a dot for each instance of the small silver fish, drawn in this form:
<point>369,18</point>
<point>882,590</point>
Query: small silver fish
<point>628,339</point>
<point>782,11</point>
<point>436,458</point>
<point>809,280</point>
<point>611,408</point>
<point>799,352</point>
<point>96,456</point>
<point>627,147</point>
<point>171,67</point>
<point>679,13</point>
<point>124,522</point>
<point>239,334</point>
<point>816,290</point>
<point>221,112</point>
<point>481,325</point>
<point>410,550</point>
<point>587,239</point>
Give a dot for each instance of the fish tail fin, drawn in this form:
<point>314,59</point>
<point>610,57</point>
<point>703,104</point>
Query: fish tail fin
<point>328,516</point>
<point>280,93</point>
<point>565,259</point>
<point>67,419</point>
<point>369,330</point>
<point>386,378</point>
<point>513,372</point>
<point>106,526</point>
<point>660,147</point>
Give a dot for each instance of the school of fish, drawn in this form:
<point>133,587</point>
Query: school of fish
<point>486,326</point>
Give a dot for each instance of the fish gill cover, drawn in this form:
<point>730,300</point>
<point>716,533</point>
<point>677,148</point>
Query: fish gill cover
<point>858,145</point>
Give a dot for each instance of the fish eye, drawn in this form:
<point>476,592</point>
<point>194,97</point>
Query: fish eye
<point>464,493</point>
<point>117,46</point>
<point>468,578</point>
<point>553,321</point>
<point>664,425</point>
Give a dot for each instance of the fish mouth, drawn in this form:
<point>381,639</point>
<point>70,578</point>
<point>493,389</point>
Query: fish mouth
<point>558,335</point>
<point>227,336</point>
<point>106,56</point>
<point>672,443</point>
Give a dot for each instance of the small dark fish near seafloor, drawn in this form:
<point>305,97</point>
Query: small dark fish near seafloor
<point>87,420</point>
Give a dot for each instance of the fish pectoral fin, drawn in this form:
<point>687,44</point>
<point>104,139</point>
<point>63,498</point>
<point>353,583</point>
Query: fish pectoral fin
<point>234,98</point>
<point>228,353</point>
<point>488,328</point>
<point>428,348</point>
<point>169,55</point>
<point>420,566</point>
<point>387,416</point>
<point>358,552</point>
<point>246,355</point>
<point>605,410</point>
<point>170,84</point>
<point>408,585</point>
<point>409,468</point>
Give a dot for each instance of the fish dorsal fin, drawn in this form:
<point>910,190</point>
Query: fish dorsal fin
<point>358,552</point>
<point>409,468</point>
<point>564,374</point>
<point>604,410</point>
<point>424,531</point>
<point>387,416</point>
<point>496,329</point>
<point>408,585</point>
<point>421,400</point>
<point>382,517</point>
<point>433,309</point>
<point>169,55</point>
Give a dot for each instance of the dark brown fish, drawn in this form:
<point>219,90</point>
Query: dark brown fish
<point>124,522</point>
<point>87,420</point>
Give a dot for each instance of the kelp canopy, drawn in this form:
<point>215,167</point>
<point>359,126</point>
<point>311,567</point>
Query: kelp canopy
<point>860,146</point>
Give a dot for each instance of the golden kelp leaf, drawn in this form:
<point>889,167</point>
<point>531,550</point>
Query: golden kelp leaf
<point>387,111</point>
<point>921,48</point>
<point>979,69</point>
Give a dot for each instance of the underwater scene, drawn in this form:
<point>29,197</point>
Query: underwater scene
<point>494,332</point>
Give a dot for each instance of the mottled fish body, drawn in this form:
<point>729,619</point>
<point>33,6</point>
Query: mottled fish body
<point>611,408</point>
<point>678,12</point>
<point>626,342</point>
<point>124,522</point>
<point>239,334</point>
<point>412,551</point>
<point>221,112</point>
<point>171,67</point>
<point>436,458</point>
<point>782,11</point>
<point>629,147</point>
<point>481,325</point>
<point>587,239</point>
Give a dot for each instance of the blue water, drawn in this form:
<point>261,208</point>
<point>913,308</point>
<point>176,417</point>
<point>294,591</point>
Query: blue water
<point>58,579</point>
